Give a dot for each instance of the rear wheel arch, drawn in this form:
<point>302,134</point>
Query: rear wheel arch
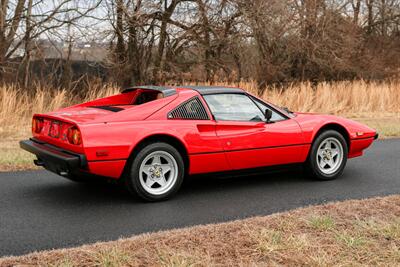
<point>165,138</point>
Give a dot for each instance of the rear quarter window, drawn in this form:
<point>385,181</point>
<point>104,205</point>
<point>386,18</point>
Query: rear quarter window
<point>192,109</point>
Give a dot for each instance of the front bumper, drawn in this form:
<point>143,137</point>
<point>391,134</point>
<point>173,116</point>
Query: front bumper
<point>53,158</point>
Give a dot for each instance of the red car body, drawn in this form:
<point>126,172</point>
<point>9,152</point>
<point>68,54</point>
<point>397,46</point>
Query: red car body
<point>112,128</point>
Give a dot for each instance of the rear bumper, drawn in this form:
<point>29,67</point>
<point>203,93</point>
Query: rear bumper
<point>53,158</point>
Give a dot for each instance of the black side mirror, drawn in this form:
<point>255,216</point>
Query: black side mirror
<point>268,115</point>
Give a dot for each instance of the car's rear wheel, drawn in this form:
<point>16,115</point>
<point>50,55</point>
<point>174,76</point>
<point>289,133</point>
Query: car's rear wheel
<point>328,156</point>
<point>156,173</point>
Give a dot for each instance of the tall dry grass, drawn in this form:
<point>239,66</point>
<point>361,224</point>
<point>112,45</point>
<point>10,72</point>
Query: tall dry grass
<point>336,98</point>
<point>17,106</point>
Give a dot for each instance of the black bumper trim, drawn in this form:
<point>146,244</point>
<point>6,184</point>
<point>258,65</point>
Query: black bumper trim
<point>54,158</point>
<point>376,136</point>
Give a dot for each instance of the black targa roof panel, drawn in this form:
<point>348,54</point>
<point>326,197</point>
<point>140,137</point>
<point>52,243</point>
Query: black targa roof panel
<point>203,90</point>
<point>165,90</point>
<point>206,90</point>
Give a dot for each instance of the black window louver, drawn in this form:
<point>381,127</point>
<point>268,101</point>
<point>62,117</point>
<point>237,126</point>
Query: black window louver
<point>190,110</point>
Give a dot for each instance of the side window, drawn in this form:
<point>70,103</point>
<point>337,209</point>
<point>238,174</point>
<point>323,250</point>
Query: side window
<point>192,109</point>
<point>233,107</point>
<point>275,115</point>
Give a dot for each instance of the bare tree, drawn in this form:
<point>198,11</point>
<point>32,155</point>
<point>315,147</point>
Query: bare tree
<point>39,17</point>
<point>163,41</point>
<point>164,16</point>
<point>28,45</point>
<point>9,24</point>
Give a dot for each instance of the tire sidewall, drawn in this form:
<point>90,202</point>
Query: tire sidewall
<point>312,161</point>
<point>133,181</point>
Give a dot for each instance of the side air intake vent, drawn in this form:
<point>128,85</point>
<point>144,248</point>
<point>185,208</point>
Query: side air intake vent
<point>193,109</point>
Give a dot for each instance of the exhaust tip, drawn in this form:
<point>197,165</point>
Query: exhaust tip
<point>63,173</point>
<point>38,162</point>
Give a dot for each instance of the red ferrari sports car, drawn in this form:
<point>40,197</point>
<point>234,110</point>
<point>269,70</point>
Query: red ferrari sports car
<point>151,137</point>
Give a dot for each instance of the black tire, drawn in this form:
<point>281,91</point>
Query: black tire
<point>312,166</point>
<point>132,178</point>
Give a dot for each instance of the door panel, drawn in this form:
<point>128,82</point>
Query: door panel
<point>255,144</point>
<point>247,139</point>
<point>204,146</point>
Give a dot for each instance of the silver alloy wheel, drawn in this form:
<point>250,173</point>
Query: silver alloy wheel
<point>329,155</point>
<point>158,172</point>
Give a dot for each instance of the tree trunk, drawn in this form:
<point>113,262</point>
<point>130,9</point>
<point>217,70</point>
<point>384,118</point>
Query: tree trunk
<point>8,30</point>
<point>206,42</point>
<point>3,12</point>
<point>238,64</point>
<point>310,7</point>
<point>28,48</point>
<point>120,49</point>
<point>383,18</point>
<point>370,19</point>
<point>2,59</point>
<point>134,58</point>
<point>159,62</point>
<point>356,11</point>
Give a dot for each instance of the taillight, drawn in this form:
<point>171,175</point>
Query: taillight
<point>37,125</point>
<point>74,136</point>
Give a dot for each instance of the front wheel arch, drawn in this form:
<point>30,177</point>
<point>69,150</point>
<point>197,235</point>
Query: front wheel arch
<point>335,127</point>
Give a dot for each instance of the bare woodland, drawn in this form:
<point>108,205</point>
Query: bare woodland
<point>272,42</point>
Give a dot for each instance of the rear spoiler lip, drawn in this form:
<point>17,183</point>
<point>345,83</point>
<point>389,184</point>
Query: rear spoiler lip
<point>165,90</point>
<point>55,117</point>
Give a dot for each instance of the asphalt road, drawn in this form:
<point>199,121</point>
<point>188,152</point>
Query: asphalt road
<point>39,210</point>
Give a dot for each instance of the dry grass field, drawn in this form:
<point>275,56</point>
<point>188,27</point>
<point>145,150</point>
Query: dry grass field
<point>375,103</point>
<point>350,233</point>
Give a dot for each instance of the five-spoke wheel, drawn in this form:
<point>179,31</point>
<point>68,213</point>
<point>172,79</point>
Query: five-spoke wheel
<point>156,172</point>
<point>328,155</point>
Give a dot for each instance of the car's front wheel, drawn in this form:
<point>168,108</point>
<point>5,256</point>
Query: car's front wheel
<point>156,173</point>
<point>328,156</point>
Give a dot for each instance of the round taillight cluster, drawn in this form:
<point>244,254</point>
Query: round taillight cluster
<point>37,125</point>
<point>74,136</point>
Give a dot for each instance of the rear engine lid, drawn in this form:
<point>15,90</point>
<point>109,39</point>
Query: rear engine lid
<point>137,104</point>
<point>82,114</point>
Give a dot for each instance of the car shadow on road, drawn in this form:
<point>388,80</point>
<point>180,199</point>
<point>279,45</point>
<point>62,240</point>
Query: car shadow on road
<point>71,193</point>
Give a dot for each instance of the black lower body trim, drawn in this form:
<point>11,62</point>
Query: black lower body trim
<point>254,171</point>
<point>247,149</point>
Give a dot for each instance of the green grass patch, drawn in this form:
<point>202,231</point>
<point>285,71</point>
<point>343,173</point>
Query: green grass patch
<point>322,223</point>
